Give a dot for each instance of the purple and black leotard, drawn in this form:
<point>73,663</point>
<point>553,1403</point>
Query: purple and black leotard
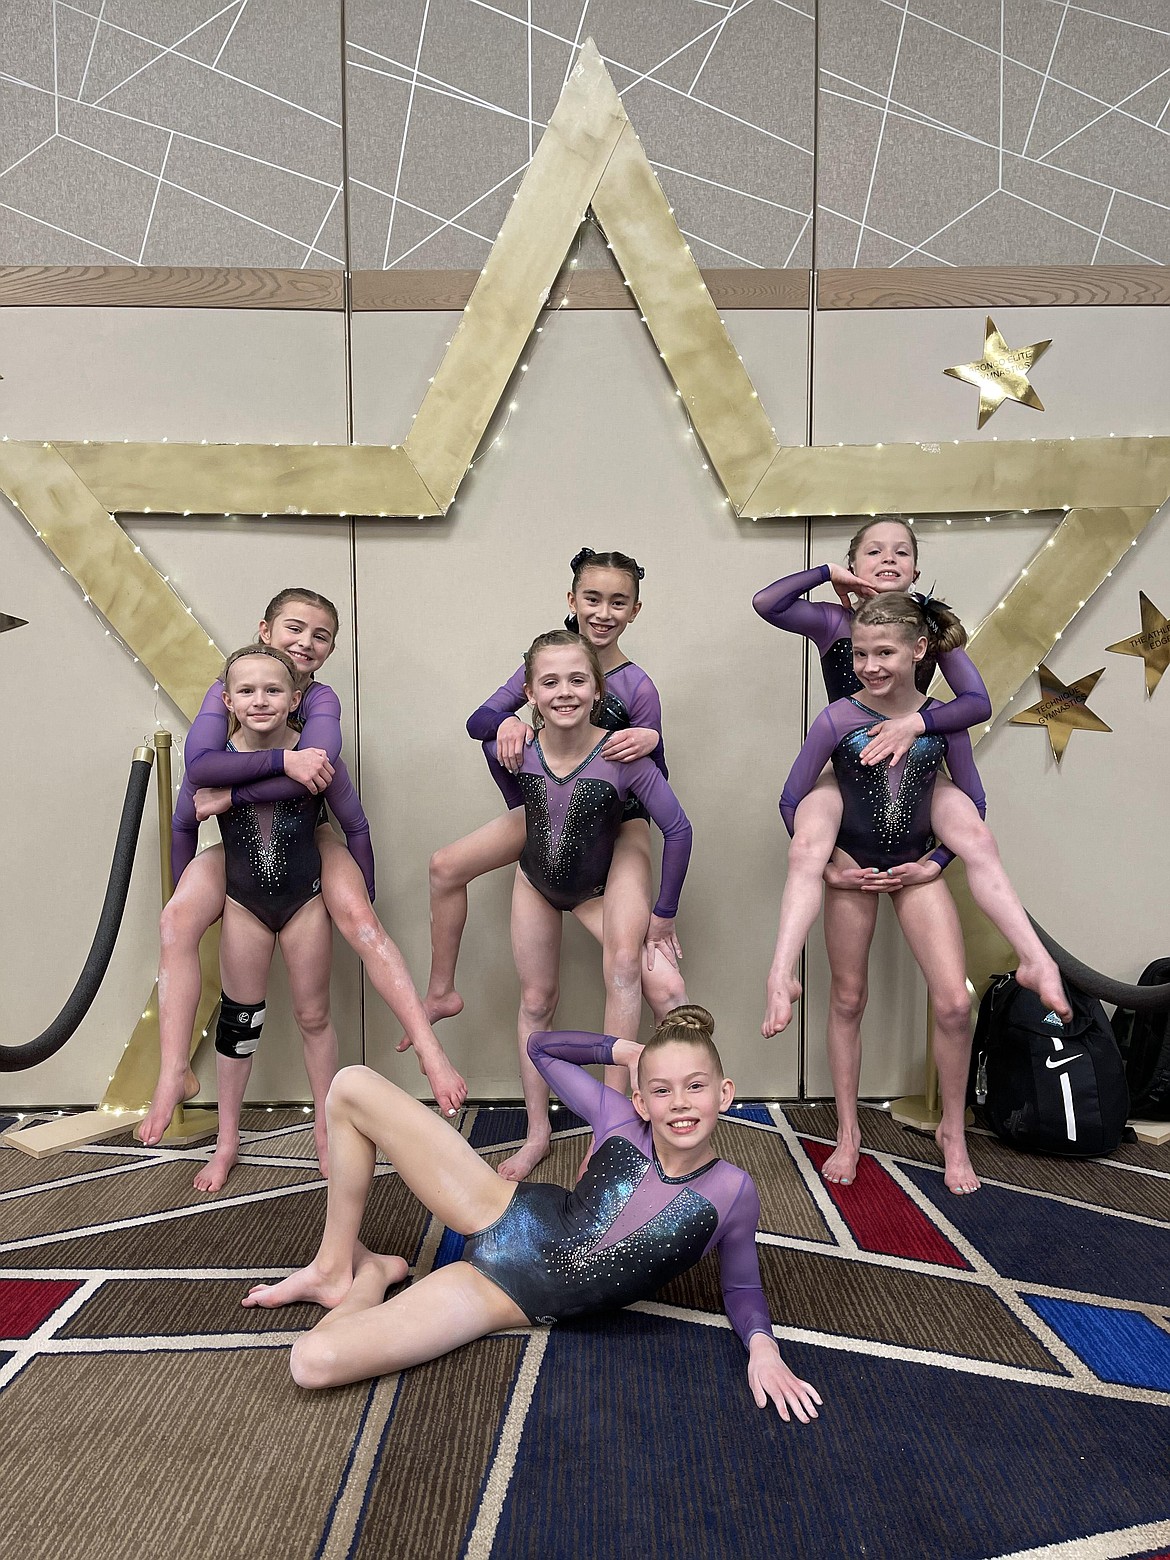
<point>259,778</point>
<point>572,824</point>
<point>626,1228</point>
<point>885,820</point>
<point>271,860</point>
<point>830,626</point>
<point>631,699</point>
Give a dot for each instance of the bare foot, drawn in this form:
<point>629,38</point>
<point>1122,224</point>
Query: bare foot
<point>840,1169</point>
<point>445,1004</point>
<point>392,1270</point>
<point>446,1083</point>
<point>169,1092</point>
<point>321,1139</point>
<point>215,1172</point>
<point>314,1284</point>
<point>1042,976</point>
<point>783,991</point>
<point>958,1173</point>
<point>525,1159</point>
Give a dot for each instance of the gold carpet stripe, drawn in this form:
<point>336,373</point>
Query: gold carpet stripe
<point>437,1451</point>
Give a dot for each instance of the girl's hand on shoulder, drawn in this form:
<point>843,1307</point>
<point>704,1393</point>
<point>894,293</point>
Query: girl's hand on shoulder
<point>635,742</point>
<point>769,1377</point>
<point>212,800</point>
<point>309,767</point>
<point>847,585</point>
<point>891,739</point>
<point>512,736</point>
<point>661,938</point>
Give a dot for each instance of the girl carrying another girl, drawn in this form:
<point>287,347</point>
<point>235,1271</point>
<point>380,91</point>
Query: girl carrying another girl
<point>304,625</point>
<point>885,825</point>
<point>574,799</point>
<point>883,557</point>
<point>273,870</point>
<point>603,602</point>
<point>652,1202</point>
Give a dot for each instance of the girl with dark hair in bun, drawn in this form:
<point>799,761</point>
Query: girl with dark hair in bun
<point>883,557</point>
<point>653,1201</point>
<point>604,600</point>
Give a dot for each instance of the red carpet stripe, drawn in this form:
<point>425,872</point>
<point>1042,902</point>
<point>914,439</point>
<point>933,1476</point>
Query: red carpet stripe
<point>881,1217</point>
<point>26,1302</point>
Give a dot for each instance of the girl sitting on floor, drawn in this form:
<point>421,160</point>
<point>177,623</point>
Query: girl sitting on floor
<point>652,1202</point>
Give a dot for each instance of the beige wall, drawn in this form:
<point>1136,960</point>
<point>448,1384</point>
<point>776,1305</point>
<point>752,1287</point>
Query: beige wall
<point>596,452</point>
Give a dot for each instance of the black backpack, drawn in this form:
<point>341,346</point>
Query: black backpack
<point>1043,1086</point>
<point>1144,1041</point>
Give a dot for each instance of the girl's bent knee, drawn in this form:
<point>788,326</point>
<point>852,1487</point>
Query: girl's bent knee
<point>350,1085</point>
<point>444,870</point>
<point>313,1362</point>
<point>952,1012</point>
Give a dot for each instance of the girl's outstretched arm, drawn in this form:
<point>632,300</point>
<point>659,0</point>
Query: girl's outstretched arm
<point>747,1310</point>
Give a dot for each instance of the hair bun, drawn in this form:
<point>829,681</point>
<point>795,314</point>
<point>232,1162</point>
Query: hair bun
<point>581,557</point>
<point>690,1016</point>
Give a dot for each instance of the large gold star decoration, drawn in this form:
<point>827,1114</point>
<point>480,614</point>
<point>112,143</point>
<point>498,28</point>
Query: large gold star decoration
<point>1001,374</point>
<point>1152,644</point>
<point>1103,491</point>
<point>1063,709</point>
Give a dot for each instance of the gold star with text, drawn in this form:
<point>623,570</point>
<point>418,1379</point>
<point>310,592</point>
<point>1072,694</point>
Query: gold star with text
<point>1063,709</point>
<point>1152,644</point>
<point>1001,374</point>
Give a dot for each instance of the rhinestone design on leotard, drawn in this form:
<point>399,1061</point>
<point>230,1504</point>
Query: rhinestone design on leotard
<point>881,825</point>
<point>571,865</point>
<point>549,1250</point>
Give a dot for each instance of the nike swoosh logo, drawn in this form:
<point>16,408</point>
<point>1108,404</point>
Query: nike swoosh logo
<point>1063,1061</point>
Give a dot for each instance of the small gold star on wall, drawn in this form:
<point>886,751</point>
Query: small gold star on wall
<point>1001,374</point>
<point>1152,644</point>
<point>1063,709</point>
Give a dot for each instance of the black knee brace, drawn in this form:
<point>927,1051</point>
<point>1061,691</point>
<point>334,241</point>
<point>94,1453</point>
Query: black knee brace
<point>238,1031</point>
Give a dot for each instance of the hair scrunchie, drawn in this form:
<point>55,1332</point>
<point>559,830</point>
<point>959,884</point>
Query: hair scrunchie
<point>581,557</point>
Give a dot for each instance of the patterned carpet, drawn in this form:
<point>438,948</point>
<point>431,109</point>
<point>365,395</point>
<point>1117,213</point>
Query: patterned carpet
<point>995,1369</point>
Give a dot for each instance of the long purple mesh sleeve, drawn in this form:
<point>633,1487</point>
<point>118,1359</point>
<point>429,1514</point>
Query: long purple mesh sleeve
<point>971,704</point>
<point>560,1059</point>
<point>823,736</point>
<point>647,783</point>
<point>257,777</point>
<point>961,765</point>
<point>343,802</point>
<point>509,786</point>
<point>483,723</point>
<point>645,709</point>
<point>320,710</point>
<point>782,605</point>
<point>739,1266</point>
<point>184,829</point>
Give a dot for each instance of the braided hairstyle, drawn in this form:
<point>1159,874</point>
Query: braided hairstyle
<point>688,1025</point>
<point>921,616</point>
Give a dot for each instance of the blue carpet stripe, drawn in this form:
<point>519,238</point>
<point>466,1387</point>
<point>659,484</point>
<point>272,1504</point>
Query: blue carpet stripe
<point>509,1123</point>
<point>1121,1346</point>
<point>1040,1241</point>
<point>643,1429</point>
<point>752,1113</point>
<point>450,1249</point>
